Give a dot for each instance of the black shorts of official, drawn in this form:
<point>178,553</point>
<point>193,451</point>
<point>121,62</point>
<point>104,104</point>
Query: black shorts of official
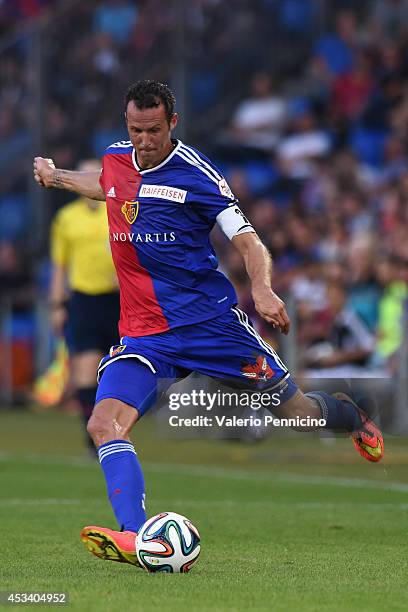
<point>92,322</point>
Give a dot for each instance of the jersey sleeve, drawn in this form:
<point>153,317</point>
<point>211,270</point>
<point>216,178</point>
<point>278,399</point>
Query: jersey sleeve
<point>218,204</point>
<point>58,242</point>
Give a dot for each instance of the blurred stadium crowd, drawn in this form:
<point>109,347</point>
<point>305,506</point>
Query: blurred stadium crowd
<point>302,103</point>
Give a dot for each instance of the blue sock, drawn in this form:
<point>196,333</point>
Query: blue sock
<point>124,482</point>
<point>339,415</point>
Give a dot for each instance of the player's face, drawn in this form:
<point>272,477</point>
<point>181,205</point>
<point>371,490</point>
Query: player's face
<point>150,133</point>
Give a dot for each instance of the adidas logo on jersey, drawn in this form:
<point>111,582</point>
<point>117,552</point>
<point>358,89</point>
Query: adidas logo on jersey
<point>111,193</point>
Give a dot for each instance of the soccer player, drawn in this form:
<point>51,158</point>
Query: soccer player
<point>178,312</point>
<point>89,315</point>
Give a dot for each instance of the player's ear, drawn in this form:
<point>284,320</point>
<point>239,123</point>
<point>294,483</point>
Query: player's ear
<point>173,121</point>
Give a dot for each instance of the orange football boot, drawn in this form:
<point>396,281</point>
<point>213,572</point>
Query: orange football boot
<point>368,440</point>
<point>110,545</point>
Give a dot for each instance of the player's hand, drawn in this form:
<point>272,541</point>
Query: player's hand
<point>272,309</point>
<point>43,171</point>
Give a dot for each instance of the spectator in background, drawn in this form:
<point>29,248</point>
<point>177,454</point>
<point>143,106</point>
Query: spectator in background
<point>143,37</point>
<point>116,18</point>
<point>15,11</point>
<point>354,207</point>
<point>14,139</point>
<point>391,60</point>
<point>348,345</point>
<point>303,238</point>
<point>388,18</point>
<point>15,278</point>
<point>105,57</point>
<point>264,215</point>
<point>392,274</point>
<point>260,119</point>
<point>309,288</point>
<point>297,17</point>
<point>395,161</point>
<point>390,211</point>
<point>353,88</point>
<point>16,321</point>
<point>398,115</point>
<point>333,244</point>
<point>306,142</point>
<point>384,106</point>
<point>335,52</point>
<point>282,253</point>
<point>364,291</point>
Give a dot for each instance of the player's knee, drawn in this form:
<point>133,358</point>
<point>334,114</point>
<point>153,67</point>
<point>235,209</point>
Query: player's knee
<point>111,420</point>
<point>98,427</point>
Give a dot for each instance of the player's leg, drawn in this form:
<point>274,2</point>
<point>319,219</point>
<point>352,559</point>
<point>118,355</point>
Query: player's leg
<point>109,426</point>
<point>366,436</point>
<point>318,405</point>
<point>101,334</point>
<point>296,406</point>
<point>339,411</point>
<point>86,342</point>
<point>230,348</point>
<point>96,332</point>
<point>127,389</point>
<point>84,367</point>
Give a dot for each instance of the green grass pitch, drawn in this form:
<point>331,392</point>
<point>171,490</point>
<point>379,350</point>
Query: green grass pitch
<point>286,524</point>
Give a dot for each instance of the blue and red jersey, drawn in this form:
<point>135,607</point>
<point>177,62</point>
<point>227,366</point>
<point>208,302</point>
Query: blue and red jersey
<point>159,225</point>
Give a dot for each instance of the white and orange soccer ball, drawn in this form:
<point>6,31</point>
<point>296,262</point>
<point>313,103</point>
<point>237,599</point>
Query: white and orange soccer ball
<point>168,542</point>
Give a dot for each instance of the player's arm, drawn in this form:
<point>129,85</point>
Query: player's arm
<point>258,264</point>
<point>84,183</point>
<point>57,299</point>
<point>57,294</point>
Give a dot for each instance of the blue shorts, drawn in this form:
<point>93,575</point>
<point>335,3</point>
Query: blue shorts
<point>227,347</point>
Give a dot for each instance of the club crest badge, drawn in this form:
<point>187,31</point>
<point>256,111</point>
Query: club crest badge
<point>117,350</point>
<point>130,211</point>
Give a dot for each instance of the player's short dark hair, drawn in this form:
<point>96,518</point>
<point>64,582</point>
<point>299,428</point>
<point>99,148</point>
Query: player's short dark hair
<point>150,94</point>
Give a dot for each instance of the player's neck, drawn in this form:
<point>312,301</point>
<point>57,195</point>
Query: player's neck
<point>166,152</point>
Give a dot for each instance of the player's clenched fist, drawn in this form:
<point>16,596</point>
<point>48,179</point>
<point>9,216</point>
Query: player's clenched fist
<point>44,171</point>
